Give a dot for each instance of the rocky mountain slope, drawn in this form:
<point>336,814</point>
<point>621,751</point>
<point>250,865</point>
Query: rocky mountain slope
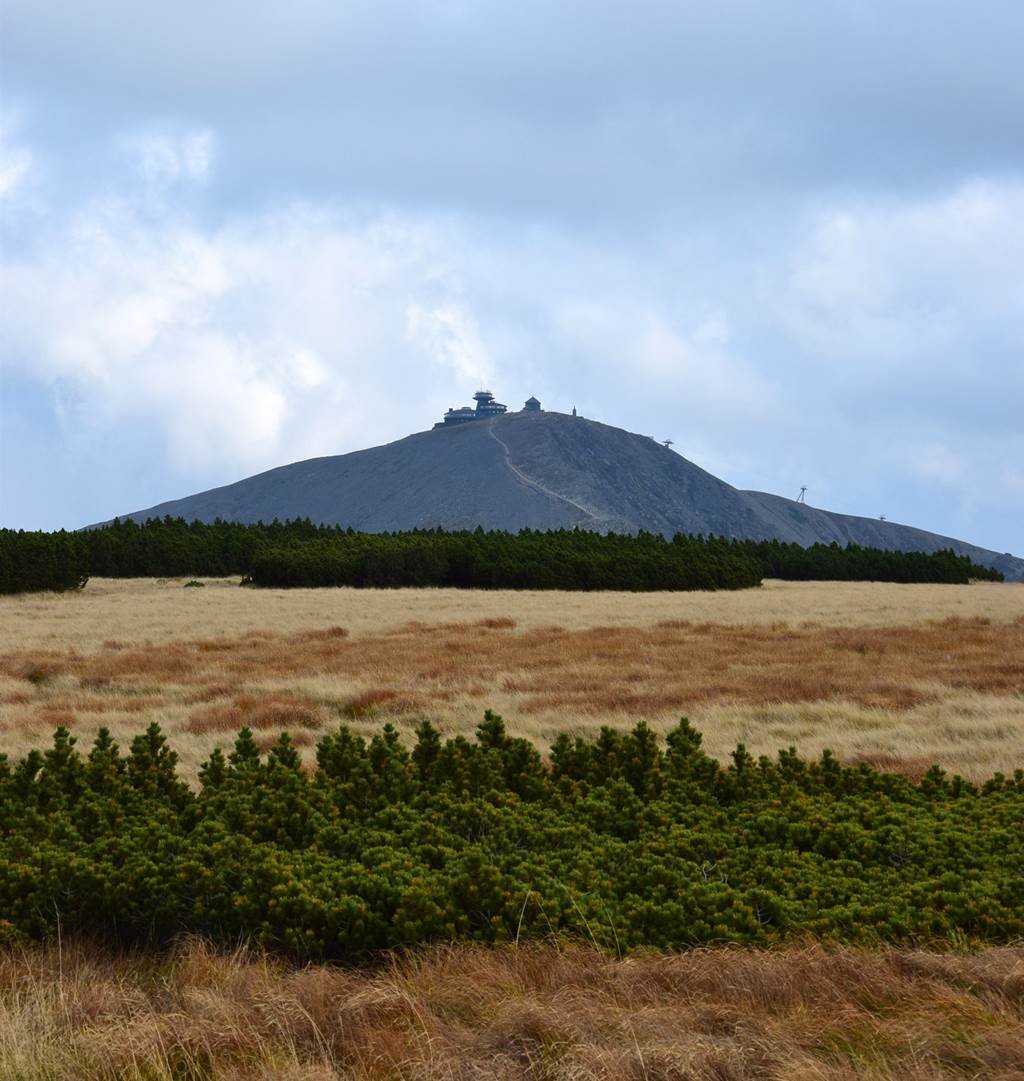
<point>542,471</point>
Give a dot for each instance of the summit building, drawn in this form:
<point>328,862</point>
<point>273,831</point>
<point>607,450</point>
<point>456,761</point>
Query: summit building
<point>486,407</point>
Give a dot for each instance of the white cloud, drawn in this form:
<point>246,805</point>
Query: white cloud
<point>886,285</point>
<point>693,367</point>
<point>307,330</point>
<point>217,398</point>
<point>274,336</point>
<point>449,337</point>
<point>207,346</point>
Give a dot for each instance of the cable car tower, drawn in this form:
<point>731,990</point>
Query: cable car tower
<point>803,492</point>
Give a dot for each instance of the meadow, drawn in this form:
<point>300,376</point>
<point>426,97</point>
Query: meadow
<point>899,676</point>
<point>894,676</point>
<point>567,1013</point>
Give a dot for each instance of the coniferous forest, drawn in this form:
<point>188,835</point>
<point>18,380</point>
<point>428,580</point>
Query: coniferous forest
<point>299,553</point>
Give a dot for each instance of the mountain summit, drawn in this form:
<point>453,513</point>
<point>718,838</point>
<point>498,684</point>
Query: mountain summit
<point>499,470</point>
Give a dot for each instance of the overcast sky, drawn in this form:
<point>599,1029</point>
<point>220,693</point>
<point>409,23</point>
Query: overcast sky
<point>787,235</point>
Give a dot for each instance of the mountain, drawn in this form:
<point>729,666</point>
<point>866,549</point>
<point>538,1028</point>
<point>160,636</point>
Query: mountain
<point>540,470</point>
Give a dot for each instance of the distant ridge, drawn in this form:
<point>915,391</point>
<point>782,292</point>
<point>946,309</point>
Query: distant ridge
<point>540,470</point>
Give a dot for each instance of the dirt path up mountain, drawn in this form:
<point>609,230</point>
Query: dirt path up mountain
<point>530,481</point>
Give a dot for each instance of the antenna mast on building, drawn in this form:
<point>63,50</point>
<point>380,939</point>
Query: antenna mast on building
<point>803,492</point>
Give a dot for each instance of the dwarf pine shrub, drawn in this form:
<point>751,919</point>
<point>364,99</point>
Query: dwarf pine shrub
<point>625,840</point>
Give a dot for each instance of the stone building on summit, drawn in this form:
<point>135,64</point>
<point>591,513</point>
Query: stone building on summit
<point>486,407</point>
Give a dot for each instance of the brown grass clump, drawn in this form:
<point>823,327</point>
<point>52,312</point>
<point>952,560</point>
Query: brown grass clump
<point>209,693</point>
<point>34,672</point>
<point>913,769</point>
<point>301,738</point>
<point>279,712</point>
<point>381,701</point>
<point>321,634</point>
<point>533,1012</point>
<point>53,716</point>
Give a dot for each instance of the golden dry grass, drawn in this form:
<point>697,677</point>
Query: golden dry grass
<point>139,610</point>
<point>467,1014</point>
<point>933,688</point>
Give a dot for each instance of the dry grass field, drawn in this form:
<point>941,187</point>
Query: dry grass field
<point>157,610</point>
<point>901,675</point>
<point>538,1012</point>
<point>896,675</point>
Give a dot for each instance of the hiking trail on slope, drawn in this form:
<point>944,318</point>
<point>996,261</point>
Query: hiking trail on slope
<point>530,481</point>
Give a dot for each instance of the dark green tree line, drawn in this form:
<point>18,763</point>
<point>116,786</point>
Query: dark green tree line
<point>299,553</point>
<point>852,563</point>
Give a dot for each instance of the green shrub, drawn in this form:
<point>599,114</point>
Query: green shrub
<point>621,840</point>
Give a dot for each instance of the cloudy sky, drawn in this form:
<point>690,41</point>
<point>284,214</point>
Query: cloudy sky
<point>787,235</point>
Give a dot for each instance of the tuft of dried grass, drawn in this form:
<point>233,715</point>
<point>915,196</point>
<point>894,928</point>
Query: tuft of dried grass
<point>538,1011</point>
<point>34,672</point>
<point>321,634</point>
<point>300,738</point>
<point>380,701</point>
<point>278,712</point>
<point>913,768</point>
